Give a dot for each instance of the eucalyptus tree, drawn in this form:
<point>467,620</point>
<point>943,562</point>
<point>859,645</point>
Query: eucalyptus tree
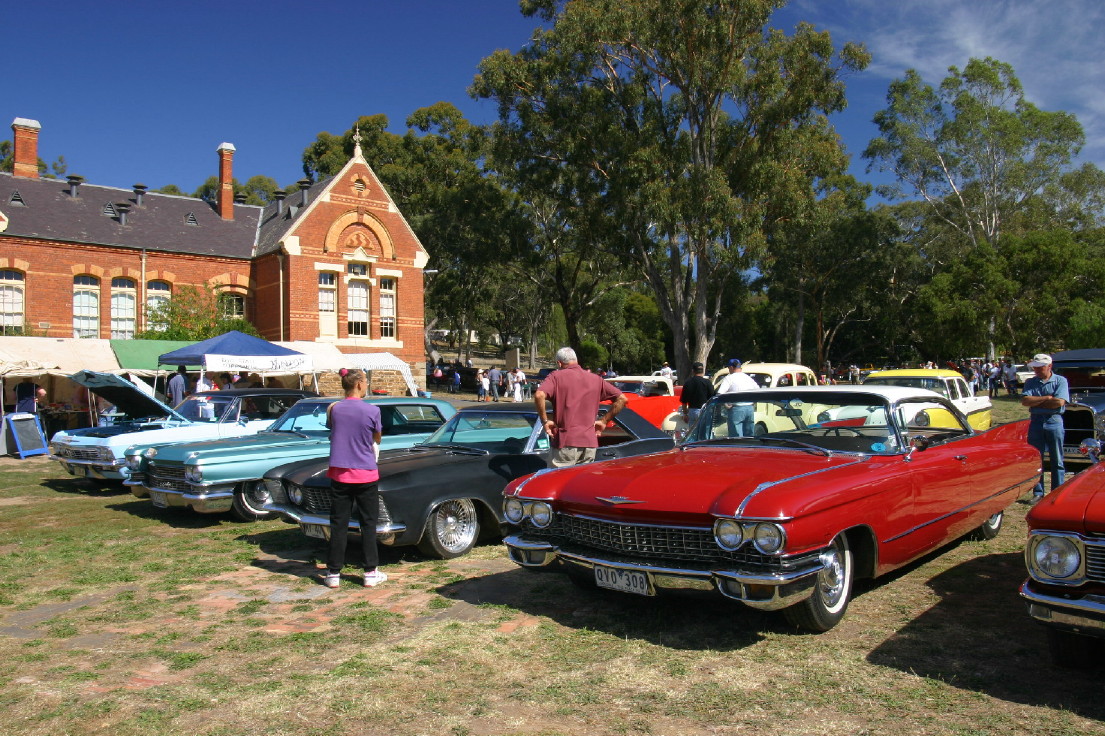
<point>688,128</point>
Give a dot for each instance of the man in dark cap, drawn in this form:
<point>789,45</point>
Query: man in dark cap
<point>697,390</point>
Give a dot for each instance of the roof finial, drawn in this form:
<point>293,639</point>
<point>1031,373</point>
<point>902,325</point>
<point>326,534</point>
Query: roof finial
<point>357,141</point>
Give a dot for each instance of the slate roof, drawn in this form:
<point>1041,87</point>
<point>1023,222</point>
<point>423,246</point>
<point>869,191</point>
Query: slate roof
<point>274,226</point>
<point>161,223</point>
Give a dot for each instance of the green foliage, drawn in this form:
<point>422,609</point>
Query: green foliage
<point>665,137</point>
<point>193,313</point>
<point>592,355</point>
<point>171,189</point>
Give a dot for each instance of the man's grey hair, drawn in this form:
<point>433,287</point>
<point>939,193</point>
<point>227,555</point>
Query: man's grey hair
<point>566,355</point>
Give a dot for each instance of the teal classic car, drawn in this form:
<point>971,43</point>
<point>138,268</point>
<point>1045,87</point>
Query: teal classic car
<point>225,475</point>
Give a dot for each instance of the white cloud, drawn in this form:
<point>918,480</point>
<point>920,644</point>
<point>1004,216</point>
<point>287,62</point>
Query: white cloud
<point>1054,46</point>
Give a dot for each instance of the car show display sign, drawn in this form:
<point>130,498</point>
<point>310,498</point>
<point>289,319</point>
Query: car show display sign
<point>258,363</point>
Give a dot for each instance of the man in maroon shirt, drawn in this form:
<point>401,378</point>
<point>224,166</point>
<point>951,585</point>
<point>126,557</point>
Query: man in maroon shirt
<point>576,394</point>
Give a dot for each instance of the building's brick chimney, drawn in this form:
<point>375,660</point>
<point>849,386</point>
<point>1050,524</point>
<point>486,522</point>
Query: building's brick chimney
<point>225,197</point>
<point>25,156</point>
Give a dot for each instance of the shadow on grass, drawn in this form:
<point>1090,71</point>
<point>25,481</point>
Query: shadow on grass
<point>679,622</point>
<point>177,517</point>
<point>979,637</point>
<point>86,486</point>
<point>290,552</point>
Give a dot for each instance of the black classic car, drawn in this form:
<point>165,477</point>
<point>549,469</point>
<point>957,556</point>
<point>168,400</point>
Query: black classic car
<point>1084,417</point>
<point>441,494</point>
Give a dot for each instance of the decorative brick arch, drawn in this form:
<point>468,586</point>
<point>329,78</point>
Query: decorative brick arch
<point>158,275</point>
<point>87,268</point>
<point>131,273</point>
<point>232,281</point>
<point>17,264</point>
<point>359,230</point>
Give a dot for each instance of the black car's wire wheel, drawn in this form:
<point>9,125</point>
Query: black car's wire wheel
<point>451,529</point>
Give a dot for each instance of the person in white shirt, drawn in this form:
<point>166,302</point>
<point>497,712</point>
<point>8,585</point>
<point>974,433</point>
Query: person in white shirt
<point>741,414</point>
<point>666,370</point>
<point>517,380</point>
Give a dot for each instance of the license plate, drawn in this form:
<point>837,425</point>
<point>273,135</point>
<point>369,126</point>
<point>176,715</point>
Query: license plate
<point>318,531</point>
<point>627,581</point>
<point>159,499</point>
<point>78,470</point>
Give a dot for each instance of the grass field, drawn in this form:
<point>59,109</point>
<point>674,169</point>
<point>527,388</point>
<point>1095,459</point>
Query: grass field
<point>117,618</point>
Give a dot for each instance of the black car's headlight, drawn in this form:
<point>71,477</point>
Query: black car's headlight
<point>295,494</point>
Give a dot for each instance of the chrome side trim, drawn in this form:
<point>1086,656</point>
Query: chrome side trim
<point>764,486</point>
<point>938,519</point>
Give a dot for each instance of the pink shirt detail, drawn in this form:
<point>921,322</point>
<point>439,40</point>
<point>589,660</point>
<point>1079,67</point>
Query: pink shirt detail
<point>576,395</point>
<point>353,475</point>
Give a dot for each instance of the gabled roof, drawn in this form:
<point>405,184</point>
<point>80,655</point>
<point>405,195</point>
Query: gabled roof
<point>162,222</point>
<point>274,226</point>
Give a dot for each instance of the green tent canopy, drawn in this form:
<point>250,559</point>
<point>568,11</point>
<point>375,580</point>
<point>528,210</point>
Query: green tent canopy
<point>140,356</point>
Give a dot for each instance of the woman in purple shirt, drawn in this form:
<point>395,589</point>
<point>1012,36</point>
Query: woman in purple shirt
<point>355,433</point>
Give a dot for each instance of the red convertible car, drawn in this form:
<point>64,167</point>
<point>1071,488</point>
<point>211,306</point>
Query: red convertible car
<point>846,481</point>
<point>1065,555</point>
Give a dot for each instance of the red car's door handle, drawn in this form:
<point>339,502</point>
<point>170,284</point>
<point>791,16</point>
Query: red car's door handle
<point>960,457</point>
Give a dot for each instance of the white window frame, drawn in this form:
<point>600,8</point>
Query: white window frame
<point>13,302</point>
<point>86,306</point>
<point>358,307</point>
<point>124,308</point>
<point>158,294</point>
<point>228,298</point>
<point>389,299</point>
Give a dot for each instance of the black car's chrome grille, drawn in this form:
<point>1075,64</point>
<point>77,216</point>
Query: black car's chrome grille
<point>317,500</point>
<point>1095,562</point>
<point>168,477</point>
<point>320,500</point>
<point>651,542</point>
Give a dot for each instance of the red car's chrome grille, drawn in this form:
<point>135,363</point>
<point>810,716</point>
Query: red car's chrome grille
<point>1095,562</point>
<point>652,542</point>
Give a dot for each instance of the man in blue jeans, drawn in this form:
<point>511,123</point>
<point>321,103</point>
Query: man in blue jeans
<point>1045,395</point>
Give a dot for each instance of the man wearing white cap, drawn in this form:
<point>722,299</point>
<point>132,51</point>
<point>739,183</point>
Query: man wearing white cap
<point>1045,395</point>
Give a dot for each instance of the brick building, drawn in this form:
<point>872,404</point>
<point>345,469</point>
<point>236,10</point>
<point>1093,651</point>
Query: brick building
<point>333,262</point>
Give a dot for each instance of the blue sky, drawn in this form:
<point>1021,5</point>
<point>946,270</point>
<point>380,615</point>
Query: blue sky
<point>145,92</point>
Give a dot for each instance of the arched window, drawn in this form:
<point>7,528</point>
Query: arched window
<point>124,311</point>
<point>358,313</point>
<point>158,294</point>
<point>86,306</point>
<point>12,301</point>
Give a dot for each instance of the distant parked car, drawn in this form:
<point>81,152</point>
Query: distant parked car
<point>1084,416</point>
<point>443,494</point>
<point>947,383</point>
<point>773,375</point>
<point>100,452</point>
<point>220,475</point>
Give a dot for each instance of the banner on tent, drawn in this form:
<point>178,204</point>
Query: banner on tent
<point>258,363</point>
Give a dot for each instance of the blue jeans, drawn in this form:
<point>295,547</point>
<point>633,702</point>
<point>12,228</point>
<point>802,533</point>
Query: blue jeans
<point>1045,433</point>
<point>741,421</point>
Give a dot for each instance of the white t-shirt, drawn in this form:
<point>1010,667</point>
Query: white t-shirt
<point>737,381</point>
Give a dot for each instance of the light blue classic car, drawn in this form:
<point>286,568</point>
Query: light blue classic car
<point>100,452</point>
<point>225,474</point>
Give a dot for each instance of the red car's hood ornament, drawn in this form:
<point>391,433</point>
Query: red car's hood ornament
<point>616,500</point>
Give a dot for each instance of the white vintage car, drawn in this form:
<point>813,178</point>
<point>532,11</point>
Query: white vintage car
<point>773,375</point>
<point>948,384</point>
<point>100,452</point>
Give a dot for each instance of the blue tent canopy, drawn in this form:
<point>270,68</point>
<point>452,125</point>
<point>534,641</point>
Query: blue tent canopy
<point>232,343</point>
